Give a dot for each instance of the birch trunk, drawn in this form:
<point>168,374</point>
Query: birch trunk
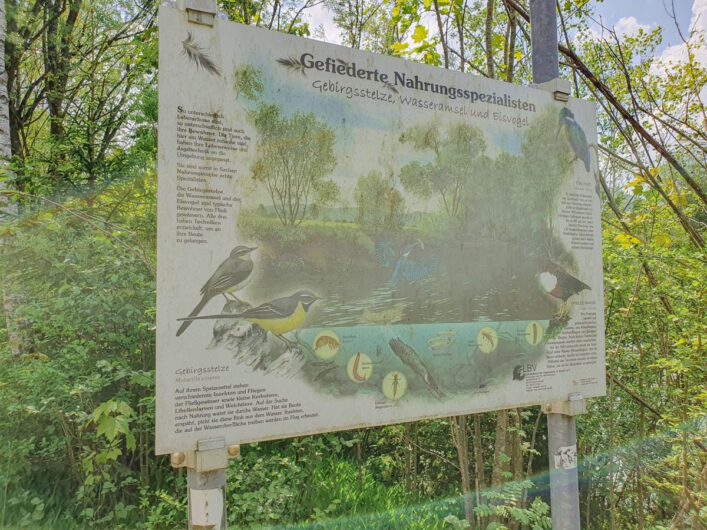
<point>8,209</point>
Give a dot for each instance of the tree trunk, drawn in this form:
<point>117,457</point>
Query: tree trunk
<point>11,300</point>
<point>461,442</point>
<point>501,460</point>
<point>411,457</point>
<point>478,457</point>
<point>5,146</point>
<point>500,452</point>
<point>489,38</point>
<point>57,57</point>
<point>517,446</point>
<point>510,61</point>
<point>442,35</point>
<point>10,62</point>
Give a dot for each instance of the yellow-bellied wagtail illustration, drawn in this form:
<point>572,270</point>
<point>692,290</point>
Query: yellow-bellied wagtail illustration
<point>229,277</point>
<point>278,316</point>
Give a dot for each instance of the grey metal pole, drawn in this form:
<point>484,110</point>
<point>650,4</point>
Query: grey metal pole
<point>561,427</point>
<point>543,35</point>
<point>564,483</point>
<point>206,481</point>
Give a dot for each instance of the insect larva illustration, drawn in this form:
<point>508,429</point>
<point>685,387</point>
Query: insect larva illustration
<point>326,341</point>
<point>488,337</point>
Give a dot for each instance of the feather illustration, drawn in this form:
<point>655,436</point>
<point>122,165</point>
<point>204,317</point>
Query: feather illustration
<point>292,64</point>
<point>390,87</point>
<point>412,359</point>
<point>195,53</point>
<point>341,61</point>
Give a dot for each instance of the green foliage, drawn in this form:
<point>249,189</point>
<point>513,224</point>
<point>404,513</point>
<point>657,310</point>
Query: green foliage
<point>81,400</point>
<point>77,85</point>
<point>506,503</point>
<point>279,16</point>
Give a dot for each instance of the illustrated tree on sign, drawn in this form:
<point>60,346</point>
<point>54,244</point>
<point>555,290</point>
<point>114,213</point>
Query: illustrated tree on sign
<point>546,163</point>
<point>455,153</point>
<point>295,157</point>
<point>379,204</point>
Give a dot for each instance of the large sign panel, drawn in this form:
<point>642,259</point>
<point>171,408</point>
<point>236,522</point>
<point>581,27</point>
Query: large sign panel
<point>347,239</point>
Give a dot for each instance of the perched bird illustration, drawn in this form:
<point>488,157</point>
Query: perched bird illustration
<point>278,316</point>
<point>407,265</point>
<point>559,283</point>
<point>229,277</point>
<point>575,135</point>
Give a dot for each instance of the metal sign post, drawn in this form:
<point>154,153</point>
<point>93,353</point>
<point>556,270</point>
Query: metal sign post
<point>562,450</point>
<point>561,427</point>
<point>206,482</point>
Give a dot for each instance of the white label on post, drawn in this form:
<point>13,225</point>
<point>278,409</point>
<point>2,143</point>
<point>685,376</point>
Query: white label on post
<point>206,507</point>
<point>566,457</point>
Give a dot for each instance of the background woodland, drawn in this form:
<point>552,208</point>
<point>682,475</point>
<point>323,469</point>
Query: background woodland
<point>78,115</point>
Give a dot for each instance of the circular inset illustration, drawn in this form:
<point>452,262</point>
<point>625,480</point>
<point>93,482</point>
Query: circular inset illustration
<point>534,333</point>
<point>359,368</point>
<point>326,345</point>
<point>461,374</point>
<point>487,340</point>
<point>442,340</point>
<point>394,385</point>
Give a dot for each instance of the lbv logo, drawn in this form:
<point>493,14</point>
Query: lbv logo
<point>521,370</point>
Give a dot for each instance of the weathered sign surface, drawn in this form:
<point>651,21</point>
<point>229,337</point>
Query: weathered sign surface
<point>357,240</point>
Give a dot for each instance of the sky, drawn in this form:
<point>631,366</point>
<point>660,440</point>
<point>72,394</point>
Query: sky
<point>630,14</point>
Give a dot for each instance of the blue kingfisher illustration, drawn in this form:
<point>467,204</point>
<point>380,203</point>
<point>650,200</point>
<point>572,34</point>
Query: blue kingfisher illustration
<point>575,135</point>
<point>410,265</point>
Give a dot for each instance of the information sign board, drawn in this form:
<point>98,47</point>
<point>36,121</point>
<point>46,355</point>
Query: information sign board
<point>359,240</point>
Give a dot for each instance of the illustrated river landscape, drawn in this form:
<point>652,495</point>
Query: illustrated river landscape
<point>430,272</point>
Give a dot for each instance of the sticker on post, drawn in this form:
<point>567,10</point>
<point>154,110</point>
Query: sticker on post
<point>566,457</point>
<point>206,508</point>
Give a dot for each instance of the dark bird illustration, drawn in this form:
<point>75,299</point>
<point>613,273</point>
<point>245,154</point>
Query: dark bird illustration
<point>575,135</point>
<point>559,283</point>
<point>410,265</point>
<point>228,278</point>
<point>196,54</point>
<point>278,316</point>
<point>410,357</point>
<point>292,64</point>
